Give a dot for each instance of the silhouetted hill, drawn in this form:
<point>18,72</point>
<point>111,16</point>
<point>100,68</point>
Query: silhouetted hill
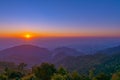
<point>25,53</point>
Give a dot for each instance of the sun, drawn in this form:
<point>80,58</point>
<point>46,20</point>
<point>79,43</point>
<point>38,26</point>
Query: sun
<point>27,36</point>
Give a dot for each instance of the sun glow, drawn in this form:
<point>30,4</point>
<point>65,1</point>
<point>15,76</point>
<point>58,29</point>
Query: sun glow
<point>27,36</point>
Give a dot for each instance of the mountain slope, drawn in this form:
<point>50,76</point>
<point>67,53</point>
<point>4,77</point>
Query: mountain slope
<point>82,63</point>
<point>110,51</point>
<point>112,62</point>
<point>67,51</point>
<point>63,52</point>
<point>25,53</point>
<point>101,62</point>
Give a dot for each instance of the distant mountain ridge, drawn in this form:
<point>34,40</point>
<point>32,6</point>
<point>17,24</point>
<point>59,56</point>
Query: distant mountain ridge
<point>107,60</point>
<point>25,53</point>
<point>110,51</point>
<point>67,51</point>
<point>32,54</point>
<point>103,60</point>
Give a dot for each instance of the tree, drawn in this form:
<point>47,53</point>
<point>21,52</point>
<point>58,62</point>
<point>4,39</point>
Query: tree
<point>62,71</point>
<point>21,66</point>
<point>29,77</point>
<point>3,77</point>
<point>84,77</point>
<point>61,77</point>
<point>44,71</point>
<point>15,75</point>
<point>75,76</point>
<point>7,71</point>
<point>57,77</point>
<point>102,76</point>
<point>91,74</point>
<point>116,76</point>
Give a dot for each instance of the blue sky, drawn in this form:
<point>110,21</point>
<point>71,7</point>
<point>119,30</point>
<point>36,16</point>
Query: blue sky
<point>61,16</point>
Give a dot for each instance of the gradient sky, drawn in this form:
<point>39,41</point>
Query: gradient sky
<point>60,17</point>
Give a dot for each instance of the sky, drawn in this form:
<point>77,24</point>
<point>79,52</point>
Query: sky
<point>60,18</point>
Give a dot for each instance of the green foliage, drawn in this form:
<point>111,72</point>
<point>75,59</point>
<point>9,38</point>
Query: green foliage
<point>58,77</point>
<point>91,74</point>
<point>102,76</point>
<point>110,65</point>
<point>44,71</point>
<point>21,67</point>
<point>84,77</point>
<point>29,77</point>
<point>116,76</point>
<point>3,77</point>
<point>62,71</point>
<point>15,74</point>
<point>47,71</point>
<point>75,76</point>
<point>61,77</point>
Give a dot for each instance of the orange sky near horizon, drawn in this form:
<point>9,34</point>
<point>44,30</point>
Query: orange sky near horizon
<point>19,31</point>
<point>68,34</point>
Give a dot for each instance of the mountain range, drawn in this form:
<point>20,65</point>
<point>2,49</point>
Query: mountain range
<point>107,59</point>
<point>31,54</point>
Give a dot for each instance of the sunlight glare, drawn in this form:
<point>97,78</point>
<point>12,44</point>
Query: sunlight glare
<point>27,36</point>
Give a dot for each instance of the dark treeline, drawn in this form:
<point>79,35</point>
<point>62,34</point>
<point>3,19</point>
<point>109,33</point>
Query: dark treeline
<point>47,71</point>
